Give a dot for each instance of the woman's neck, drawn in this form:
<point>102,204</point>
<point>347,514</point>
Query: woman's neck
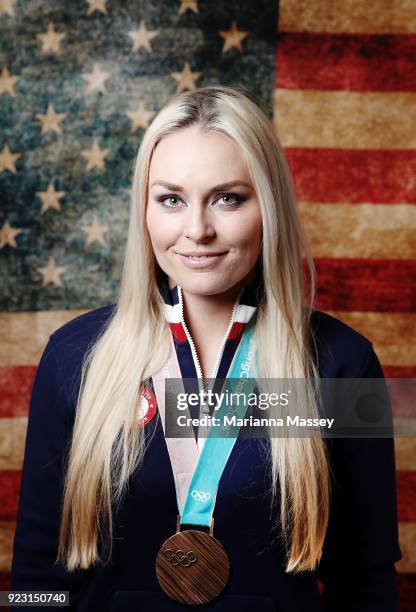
<point>207,316</point>
<point>210,314</point>
<point>207,319</point>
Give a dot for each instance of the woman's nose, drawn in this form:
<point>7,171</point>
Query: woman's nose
<point>198,223</point>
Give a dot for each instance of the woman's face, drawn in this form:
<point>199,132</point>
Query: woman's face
<point>193,208</point>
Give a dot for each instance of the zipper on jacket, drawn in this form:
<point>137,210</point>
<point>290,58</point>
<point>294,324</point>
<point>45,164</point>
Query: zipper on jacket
<point>192,344</point>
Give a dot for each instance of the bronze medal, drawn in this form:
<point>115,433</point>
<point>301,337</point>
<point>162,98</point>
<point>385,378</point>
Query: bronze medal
<point>192,567</point>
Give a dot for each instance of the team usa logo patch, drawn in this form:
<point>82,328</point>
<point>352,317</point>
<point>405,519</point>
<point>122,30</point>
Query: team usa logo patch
<point>147,408</point>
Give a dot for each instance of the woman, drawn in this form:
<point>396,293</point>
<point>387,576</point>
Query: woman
<point>213,261</point>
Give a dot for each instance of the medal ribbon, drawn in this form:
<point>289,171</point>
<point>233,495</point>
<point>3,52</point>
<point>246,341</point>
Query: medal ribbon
<point>197,476</point>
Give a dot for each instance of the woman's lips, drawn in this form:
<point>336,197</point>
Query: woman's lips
<point>202,261</point>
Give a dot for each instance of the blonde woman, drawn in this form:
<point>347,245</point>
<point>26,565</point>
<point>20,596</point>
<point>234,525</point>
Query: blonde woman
<point>115,512</point>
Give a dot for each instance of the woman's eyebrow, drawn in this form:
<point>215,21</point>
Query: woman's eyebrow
<point>221,187</point>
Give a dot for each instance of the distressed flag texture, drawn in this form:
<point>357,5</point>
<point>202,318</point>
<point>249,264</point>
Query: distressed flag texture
<point>79,83</point>
<point>345,111</point>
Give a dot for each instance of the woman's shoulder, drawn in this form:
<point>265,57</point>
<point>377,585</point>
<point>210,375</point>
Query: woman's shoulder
<point>342,350</point>
<point>68,345</point>
<point>80,331</point>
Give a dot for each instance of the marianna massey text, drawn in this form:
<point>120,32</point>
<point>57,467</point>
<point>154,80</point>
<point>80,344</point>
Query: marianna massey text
<point>250,421</point>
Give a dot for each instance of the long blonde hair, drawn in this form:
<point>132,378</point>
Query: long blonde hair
<point>134,344</point>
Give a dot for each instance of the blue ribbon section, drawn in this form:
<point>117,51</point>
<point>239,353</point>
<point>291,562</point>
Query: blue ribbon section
<point>200,501</point>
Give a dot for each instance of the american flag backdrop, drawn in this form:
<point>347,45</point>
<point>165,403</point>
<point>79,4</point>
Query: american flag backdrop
<point>79,83</point>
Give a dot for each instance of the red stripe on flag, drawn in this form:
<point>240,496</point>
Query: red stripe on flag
<point>15,390</point>
<point>9,487</point>
<point>382,285</point>
<point>353,62</point>
<point>391,371</point>
<point>402,396</point>
<point>406,495</point>
<point>407,589</point>
<point>5,581</point>
<point>353,176</point>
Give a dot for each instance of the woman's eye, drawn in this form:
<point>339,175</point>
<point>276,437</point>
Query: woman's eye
<point>165,199</point>
<point>231,199</point>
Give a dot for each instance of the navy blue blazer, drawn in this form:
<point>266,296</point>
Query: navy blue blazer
<point>361,545</point>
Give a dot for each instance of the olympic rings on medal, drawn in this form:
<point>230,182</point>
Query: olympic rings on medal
<point>200,496</point>
<point>179,557</point>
